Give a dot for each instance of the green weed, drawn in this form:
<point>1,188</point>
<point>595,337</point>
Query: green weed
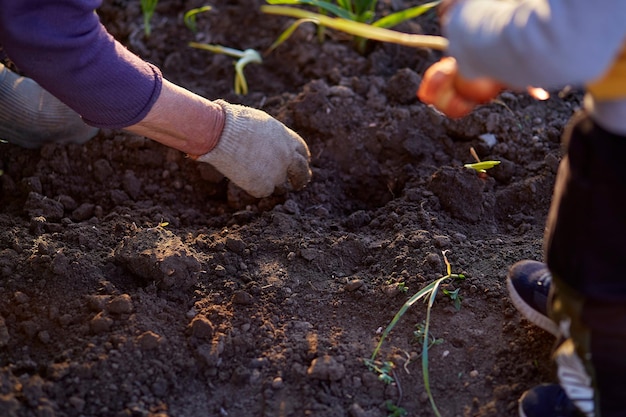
<point>356,18</point>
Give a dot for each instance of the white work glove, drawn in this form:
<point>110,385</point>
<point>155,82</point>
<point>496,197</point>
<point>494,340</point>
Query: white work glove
<point>258,153</point>
<point>31,117</point>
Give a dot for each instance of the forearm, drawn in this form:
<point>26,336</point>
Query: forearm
<point>546,43</point>
<point>62,45</point>
<point>182,120</point>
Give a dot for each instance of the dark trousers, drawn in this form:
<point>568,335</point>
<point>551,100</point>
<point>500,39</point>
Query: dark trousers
<point>586,253</point>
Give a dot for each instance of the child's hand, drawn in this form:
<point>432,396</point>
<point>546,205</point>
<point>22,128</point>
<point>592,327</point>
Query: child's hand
<point>455,96</point>
<point>444,88</point>
<point>445,6</point>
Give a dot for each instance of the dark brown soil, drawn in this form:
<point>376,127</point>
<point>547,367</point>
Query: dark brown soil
<point>136,282</point>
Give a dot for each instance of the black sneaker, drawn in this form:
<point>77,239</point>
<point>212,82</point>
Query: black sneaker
<point>528,283</point>
<point>547,400</point>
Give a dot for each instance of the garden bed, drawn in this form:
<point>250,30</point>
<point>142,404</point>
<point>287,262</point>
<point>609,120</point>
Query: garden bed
<point>136,282</point>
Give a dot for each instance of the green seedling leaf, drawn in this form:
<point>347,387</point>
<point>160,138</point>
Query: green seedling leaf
<point>425,370</point>
<point>382,370</point>
<point>250,55</point>
<point>482,166</point>
<point>418,333</point>
<point>324,5</point>
<point>287,33</point>
<point>396,18</point>
<point>358,11</point>
<point>455,297</point>
<point>358,7</point>
<point>395,410</point>
<point>244,58</point>
<point>361,29</point>
<point>190,17</point>
<point>147,8</point>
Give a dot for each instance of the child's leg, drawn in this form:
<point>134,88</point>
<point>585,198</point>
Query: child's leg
<point>585,251</point>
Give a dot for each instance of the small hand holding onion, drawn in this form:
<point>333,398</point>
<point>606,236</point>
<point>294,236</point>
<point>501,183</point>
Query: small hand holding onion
<point>443,87</point>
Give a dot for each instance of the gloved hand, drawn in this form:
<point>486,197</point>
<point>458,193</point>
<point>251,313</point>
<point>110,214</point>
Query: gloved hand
<point>31,117</point>
<point>258,153</point>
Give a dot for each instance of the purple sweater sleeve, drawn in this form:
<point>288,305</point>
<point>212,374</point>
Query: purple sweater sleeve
<point>62,45</point>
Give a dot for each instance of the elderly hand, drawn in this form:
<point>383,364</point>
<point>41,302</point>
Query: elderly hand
<point>258,153</point>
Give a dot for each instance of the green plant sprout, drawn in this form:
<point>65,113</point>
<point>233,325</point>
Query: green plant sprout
<point>356,18</point>
<point>418,334</point>
<point>383,369</point>
<point>430,291</point>
<point>162,224</point>
<point>395,410</point>
<point>244,58</point>
<point>147,8</point>
<point>189,17</point>
<point>289,31</point>
<point>480,166</point>
<point>455,297</point>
